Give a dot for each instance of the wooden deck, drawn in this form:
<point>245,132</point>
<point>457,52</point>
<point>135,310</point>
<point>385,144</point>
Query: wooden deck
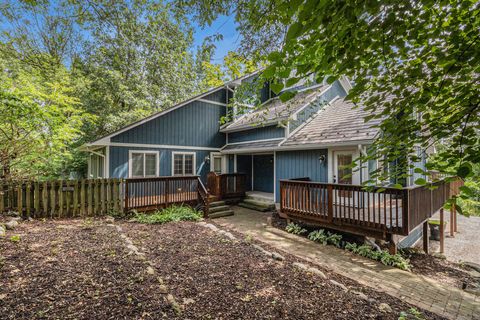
<point>376,212</point>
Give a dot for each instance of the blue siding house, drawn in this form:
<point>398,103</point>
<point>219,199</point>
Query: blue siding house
<point>312,135</point>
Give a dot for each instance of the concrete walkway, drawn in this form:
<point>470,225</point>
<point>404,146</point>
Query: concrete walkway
<point>415,289</point>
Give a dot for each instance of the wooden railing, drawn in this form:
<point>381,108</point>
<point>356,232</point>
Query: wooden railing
<point>203,198</point>
<point>375,211</point>
<point>61,198</point>
<point>227,186</point>
<point>145,194</point>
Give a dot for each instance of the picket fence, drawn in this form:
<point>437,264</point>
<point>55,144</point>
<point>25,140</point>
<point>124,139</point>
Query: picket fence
<point>62,198</point>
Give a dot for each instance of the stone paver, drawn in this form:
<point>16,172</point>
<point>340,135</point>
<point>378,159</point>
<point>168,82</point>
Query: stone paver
<point>418,290</point>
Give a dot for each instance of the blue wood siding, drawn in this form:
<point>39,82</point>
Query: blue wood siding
<point>119,161</point>
<point>217,96</point>
<point>269,132</point>
<point>299,164</point>
<point>195,124</point>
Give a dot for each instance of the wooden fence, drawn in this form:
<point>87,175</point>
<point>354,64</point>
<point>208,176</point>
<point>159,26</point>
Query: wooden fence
<point>62,198</point>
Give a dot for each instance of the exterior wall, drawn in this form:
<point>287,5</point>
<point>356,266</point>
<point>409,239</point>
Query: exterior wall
<point>269,132</point>
<point>299,164</point>
<point>119,161</point>
<point>196,124</point>
<point>217,96</point>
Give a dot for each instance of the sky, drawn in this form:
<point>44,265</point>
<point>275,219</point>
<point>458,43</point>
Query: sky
<point>224,25</point>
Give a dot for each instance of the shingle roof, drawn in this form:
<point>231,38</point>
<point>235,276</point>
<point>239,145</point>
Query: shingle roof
<point>264,145</point>
<point>338,122</point>
<point>275,110</point>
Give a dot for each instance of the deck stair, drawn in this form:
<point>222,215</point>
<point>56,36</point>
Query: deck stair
<point>258,203</point>
<point>219,209</point>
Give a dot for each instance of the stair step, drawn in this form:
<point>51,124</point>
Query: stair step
<point>259,203</point>
<point>217,204</point>
<point>255,207</point>
<point>219,208</point>
<point>220,214</point>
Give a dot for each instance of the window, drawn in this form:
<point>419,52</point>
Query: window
<point>96,165</point>
<point>143,164</point>
<point>183,163</point>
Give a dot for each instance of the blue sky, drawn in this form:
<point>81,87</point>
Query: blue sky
<point>224,25</point>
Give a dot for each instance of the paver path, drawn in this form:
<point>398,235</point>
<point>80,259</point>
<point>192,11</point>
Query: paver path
<point>415,289</point>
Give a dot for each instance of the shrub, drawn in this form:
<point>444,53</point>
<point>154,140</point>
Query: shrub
<point>295,229</point>
<point>318,236</point>
<point>334,239</point>
<point>384,257</point>
<point>170,214</point>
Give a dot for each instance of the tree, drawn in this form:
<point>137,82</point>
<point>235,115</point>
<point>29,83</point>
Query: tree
<point>414,65</point>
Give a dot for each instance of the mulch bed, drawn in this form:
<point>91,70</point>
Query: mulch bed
<point>441,270</point>
<point>76,269</point>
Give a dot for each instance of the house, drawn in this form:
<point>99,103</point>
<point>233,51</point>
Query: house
<point>314,136</point>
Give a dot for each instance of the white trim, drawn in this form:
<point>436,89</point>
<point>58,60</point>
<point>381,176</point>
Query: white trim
<point>345,83</point>
<point>212,165</point>
<point>194,164</point>
<point>159,146</point>
<point>255,125</point>
<point>234,163</point>
<point>107,162</point>
<point>252,172</point>
<point>252,141</point>
<point>313,99</point>
<point>130,167</point>
<point>213,102</point>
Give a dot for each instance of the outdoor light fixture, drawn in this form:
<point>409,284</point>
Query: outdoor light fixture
<point>321,159</point>
<point>207,159</point>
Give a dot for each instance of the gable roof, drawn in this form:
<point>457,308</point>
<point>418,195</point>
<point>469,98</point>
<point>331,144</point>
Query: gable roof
<point>106,137</point>
<point>274,110</point>
<point>338,122</point>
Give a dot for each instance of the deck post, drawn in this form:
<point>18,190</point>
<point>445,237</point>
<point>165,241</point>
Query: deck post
<point>452,223</point>
<point>442,232</point>
<point>455,217</point>
<point>425,237</point>
<point>392,245</point>
<point>330,202</point>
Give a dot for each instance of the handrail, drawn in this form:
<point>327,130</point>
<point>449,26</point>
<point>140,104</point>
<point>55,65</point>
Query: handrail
<point>204,197</point>
<point>227,185</point>
<point>375,208</point>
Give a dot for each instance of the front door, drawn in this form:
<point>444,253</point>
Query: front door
<point>263,173</point>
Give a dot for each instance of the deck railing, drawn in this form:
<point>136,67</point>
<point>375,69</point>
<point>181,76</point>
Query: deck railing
<point>353,208</point>
<point>227,186</point>
<point>150,193</point>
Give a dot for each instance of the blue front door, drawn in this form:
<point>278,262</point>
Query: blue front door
<point>263,173</point>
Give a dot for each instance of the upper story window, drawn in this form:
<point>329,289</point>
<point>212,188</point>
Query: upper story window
<point>143,164</point>
<point>183,163</point>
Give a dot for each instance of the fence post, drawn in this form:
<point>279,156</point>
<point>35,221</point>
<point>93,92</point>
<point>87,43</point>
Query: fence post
<point>75,198</point>
<point>2,204</point>
<point>83,204</point>
<point>45,198</point>
<point>36,199</point>
<point>20,198</point>
<point>53,199</point>
<point>116,194</point>
<point>60,199</point>
<point>126,196</point>
<point>89,197</point>
<point>167,191</point>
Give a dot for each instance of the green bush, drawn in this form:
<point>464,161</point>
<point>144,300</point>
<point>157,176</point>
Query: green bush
<point>170,214</point>
<point>318,236</point>
<point>334,239</point>
<point>384,257</point>
<point>295,229</point>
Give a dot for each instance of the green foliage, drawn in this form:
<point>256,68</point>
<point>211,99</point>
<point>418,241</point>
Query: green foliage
<point>414,64</point>
<point>295,229</point>
<point>325,238</point>
<point>412,313</point>
<point>383,256</point>
<point>170,214</point>
<point>15,238</point>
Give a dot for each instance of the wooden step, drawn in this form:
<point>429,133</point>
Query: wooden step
<point>219,209</point>
<point>255,207</point>
<point>217,204</point>
<point>220,214</point>
<point>268,205</point>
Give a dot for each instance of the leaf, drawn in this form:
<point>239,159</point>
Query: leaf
<point>421,182</point>
<point>464,170</point>
<point>287,95</point>
<point>276,87</point>
<point>294,30</point>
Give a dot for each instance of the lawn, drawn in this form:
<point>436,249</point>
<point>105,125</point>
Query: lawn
<point>93,269</point>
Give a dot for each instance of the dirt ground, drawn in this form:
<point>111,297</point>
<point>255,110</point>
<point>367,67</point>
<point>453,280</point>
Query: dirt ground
<point>83,269</point>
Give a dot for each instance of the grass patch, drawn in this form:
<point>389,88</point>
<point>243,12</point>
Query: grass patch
<point>170,214</point>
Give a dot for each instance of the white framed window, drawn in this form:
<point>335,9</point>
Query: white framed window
<point>183,163</point>
<point>143,164</point>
